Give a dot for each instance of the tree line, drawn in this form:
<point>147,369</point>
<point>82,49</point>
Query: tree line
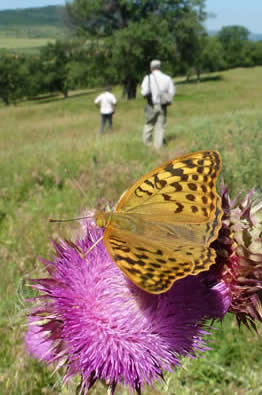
<point>114,41</point>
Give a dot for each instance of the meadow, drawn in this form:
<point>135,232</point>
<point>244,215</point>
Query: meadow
<point>23,45</point>
<point>54,164</point>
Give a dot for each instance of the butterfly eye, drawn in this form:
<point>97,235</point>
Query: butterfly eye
<point>100,219</point>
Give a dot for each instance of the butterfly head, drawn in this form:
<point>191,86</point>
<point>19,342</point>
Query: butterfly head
<point>102,219</point>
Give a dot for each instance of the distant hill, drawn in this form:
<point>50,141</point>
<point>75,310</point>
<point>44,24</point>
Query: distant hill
<point>33,22</point>
<point>255,37</point>
<point>44,16</point>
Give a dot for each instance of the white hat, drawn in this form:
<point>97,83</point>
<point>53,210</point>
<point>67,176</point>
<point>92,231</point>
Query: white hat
<point>155,64</point>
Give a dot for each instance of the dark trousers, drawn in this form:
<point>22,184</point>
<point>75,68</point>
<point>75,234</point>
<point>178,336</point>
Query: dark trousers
<point>106,118</point>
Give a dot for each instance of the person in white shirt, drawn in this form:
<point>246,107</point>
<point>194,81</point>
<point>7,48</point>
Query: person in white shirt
<point>107,103</point>
<point>159,90</point>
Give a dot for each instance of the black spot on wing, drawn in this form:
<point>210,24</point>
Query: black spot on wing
<point>174,172</point>
<point>192,186</point>
<point>190,197</point>
<point>159,184</point>
<point>139,192</point>
<point>148,182</point>
<point>166,196</point>
<point>189,163</point>
<point>177,186</point>
<point>179,208</point>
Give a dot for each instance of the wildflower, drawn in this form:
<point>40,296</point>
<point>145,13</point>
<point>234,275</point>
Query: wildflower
<point>239,255</point>
<point>90,318</point>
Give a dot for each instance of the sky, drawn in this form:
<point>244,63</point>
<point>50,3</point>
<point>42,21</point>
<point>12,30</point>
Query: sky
<point>246,13</point>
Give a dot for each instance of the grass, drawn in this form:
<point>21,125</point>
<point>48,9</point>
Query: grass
<point>33,32</point>
<point>51,144</point>
<point>17,43</point>
<point>24,45</point>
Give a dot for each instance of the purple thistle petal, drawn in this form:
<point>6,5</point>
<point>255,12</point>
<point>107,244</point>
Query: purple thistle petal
<point>100,325</point>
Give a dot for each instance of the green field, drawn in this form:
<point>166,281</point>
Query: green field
<point>23,43</point>
<point>49,146</point>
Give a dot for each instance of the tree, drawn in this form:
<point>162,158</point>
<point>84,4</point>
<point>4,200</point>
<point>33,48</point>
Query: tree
<point>130,51</point>
<point>76,74</point>
<point>235,34</point>
<point>134,32</point>
<point>190,39</point>
<point>54,58</point>
<point>13,78</point>
<point>256,53</point>
<point>103,17</point>
<point>210,57</point>
<point>34,76</point>
<point>68,65</point>
<point>233,40</point>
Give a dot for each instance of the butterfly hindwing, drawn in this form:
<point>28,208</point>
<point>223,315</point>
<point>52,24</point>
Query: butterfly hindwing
<point>154,268</point>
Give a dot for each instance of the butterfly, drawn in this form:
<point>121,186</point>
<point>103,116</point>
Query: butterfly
<point>162,227</point>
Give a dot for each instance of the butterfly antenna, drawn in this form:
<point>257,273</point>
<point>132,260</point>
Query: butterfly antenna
<point>70,219</point>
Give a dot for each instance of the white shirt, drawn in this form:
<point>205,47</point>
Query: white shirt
<point>158,81</point>
<point>107,102</point>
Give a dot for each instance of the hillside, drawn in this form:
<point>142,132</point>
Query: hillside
<point>44,16</point>
<point>43,22</point>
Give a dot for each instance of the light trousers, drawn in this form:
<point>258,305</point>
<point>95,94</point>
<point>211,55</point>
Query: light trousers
<point>154,128</point>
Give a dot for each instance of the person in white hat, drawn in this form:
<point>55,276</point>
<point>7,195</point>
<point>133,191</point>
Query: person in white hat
<point>159,90</point>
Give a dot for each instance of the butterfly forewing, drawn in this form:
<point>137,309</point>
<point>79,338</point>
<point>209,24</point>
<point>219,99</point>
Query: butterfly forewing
<point>181,190</point>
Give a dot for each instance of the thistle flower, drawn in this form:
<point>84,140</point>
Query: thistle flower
<point>90,318</point>
<point>239,255</point>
